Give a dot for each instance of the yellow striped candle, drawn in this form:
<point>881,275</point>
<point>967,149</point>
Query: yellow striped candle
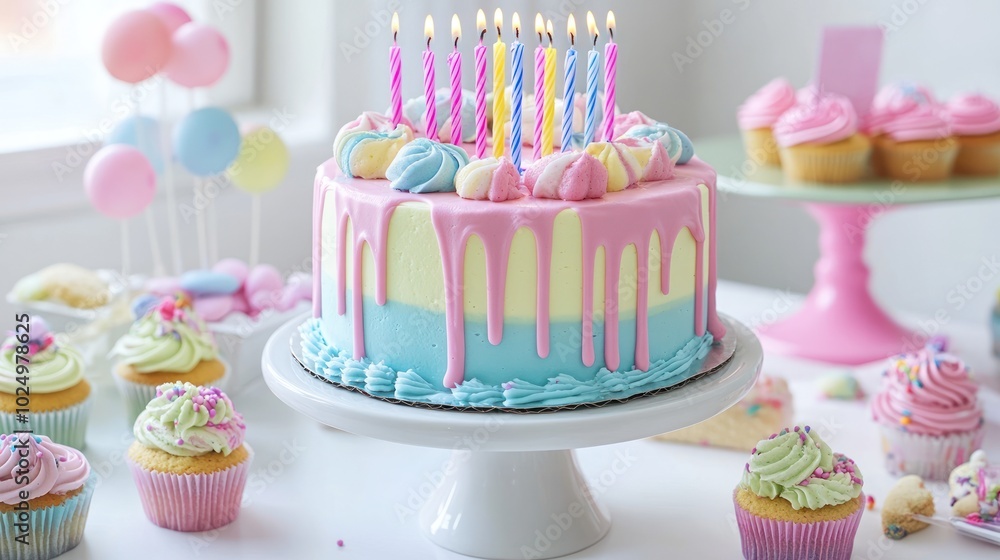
<point>549,122</point>
<point>499,85</point>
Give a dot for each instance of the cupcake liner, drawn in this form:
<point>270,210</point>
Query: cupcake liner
<point>760,146</point>
<point>67,426</point>
<point>978,156</point>
<point>192,502</point>
<point>930,457</point>
<point>768,539</point>
<point>817,165</point>
<point>53,530</point>
<point>138,395</point>
<point>919,161</point>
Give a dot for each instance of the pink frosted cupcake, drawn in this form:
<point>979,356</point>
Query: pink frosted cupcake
<point>930,418</point>
<point>758,114</point>
<point>911,135</point>
<point>189,460</point>
<point>798,499</point>
<point>975,122</point>
<point>819,141</point>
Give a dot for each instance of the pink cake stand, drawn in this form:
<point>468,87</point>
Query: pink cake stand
<point>839,322</point>
<point>513,476</point>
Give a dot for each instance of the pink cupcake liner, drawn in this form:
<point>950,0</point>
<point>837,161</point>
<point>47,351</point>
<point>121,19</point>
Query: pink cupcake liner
<point>768,539</point>
<point>192,502</point>
<point>930,457</point>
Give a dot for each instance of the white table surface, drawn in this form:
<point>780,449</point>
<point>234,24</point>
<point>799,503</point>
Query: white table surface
<point>312,486</point>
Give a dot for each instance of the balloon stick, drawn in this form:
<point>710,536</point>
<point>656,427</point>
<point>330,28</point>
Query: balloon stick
<point>254,230</point>
<point>199,193</point>
<point>168,184</point>
<point>126,264</point>
<point>154,240</point>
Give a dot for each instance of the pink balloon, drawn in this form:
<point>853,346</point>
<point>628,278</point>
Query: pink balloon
<point>213,308</point>
<point>200,55</point>
<point>136,46</point>
<point>172,15</point>
<point>119,181</point>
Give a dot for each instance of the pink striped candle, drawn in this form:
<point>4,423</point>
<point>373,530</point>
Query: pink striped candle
<point>396,74</point>
<point>480,52</point>
<point>610,75</point>
<point>539,88</point>
<point>430,113</point>
<point>455,66</point>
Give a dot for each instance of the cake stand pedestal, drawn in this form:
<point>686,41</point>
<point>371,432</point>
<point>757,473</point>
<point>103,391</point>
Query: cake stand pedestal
<point>512,489</point>
<point>839,322</point>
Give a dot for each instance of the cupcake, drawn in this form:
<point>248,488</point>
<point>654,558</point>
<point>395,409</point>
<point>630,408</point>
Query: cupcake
<point>46,378</point>
<point>45,491</point>
<point>189,460</point>
<point>819,141</point>
<point>798,499</point>
<point>167,343</point>
<point>975,122</point>
<point>911,135</point>
<point>758,114</point>
<point>928,413</point>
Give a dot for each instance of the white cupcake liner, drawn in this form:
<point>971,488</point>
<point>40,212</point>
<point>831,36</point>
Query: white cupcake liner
<point>67,426</point>
<point>192,502</point>
<point>930,457</point>
<point>53,530</point>
<point>138,395</point>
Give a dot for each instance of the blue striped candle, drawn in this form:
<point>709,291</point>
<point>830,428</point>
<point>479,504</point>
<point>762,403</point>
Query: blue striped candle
<point>593,75</point>
<point>569,92</point>
<point>517,93</point>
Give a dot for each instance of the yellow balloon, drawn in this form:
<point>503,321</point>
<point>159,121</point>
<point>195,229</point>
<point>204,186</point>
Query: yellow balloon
<point>262,162</point>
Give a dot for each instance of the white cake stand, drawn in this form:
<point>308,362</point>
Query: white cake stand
<point>512,489</point>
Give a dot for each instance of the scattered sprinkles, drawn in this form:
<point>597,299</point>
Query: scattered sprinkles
<point>870,503</point>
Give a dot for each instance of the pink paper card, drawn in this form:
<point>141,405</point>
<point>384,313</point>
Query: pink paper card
<point>849,62</point>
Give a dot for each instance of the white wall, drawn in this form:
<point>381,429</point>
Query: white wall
<point>319,61</point>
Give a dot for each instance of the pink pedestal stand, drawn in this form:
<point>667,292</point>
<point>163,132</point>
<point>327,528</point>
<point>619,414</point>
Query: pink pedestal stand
<point>839,322</point>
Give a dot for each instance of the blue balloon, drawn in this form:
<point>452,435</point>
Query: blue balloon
<point>206,141</point>
<point>142,133</point>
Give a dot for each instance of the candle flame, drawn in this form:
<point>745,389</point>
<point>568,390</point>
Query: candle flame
<point>429,27</point>
<point>571,27</point>
<point>395,23</point>
<point>515,22</point>
<point>456,27</point>
<point>611,24</point>
<point>539,26</point>
<point>592,26</point>
<point>498,21</point>
<point>548,31</point>
<point>481,20</point>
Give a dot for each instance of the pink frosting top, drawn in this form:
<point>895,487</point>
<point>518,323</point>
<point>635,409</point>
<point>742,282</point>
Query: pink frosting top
<point>567,176</point>
<point>972,114</point>
<point>828,119</point>
<point>907,113</point>
<point>763,108</point>
<point>928,393</point>
<point>659,166</point>
<point>52,468</point>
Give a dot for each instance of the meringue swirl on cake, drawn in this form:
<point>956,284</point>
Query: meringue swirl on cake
<point>637,125</point>
<point>656,163</point>
<point>798,466</point>
<point>425,166</point>
<point>367,145</point>
<point>567,176</point>
<point>928,393</point>
<point>831,118</point>
<point>489,179</point>
<point>623,168</point>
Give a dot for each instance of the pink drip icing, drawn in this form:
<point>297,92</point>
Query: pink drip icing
<point>320,188</point>
<point>667,210</point>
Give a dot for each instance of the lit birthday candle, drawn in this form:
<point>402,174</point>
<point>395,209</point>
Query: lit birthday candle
<point>499,83</point>
<point>455,67</point>
<point>549,123</point>
<point>396,74</point>
<point>480,52</point>
<point>517,92</point>
<point>569,87</point>
<point>610,75</point>
<point>593,76</point>
<point>430,113</point>
<point>539,87</point>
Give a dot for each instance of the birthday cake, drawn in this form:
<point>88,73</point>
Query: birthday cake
<point>447,277</point>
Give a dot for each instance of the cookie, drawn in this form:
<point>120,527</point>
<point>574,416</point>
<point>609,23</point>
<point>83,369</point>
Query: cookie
<point>907,497</point>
